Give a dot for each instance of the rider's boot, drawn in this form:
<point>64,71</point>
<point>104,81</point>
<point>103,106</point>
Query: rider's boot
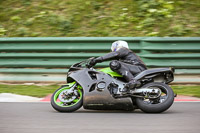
<point>132,84</point>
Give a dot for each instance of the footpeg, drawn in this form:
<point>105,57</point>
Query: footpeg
<point>113,88</point>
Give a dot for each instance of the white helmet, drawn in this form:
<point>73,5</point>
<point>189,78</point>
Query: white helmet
<point>118,44</point>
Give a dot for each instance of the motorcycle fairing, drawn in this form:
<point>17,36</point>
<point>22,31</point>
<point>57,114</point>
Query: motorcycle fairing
<point>110,72</point>
<point>99,99</point>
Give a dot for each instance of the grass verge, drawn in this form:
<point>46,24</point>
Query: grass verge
<point>187,90</point>
<point>29,90</point>
<point>42,91</point>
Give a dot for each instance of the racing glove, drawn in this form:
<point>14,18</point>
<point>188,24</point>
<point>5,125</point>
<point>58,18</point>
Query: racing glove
<point>92,62</point>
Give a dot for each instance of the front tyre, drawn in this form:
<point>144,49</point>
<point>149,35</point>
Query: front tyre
<point>64,101</point>
<point>160,104</point>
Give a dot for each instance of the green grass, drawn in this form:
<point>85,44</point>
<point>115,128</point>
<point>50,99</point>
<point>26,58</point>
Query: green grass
<point>187,90</point>
<point>67,18</point>
<point>42,91</point>
<point>29,90</point>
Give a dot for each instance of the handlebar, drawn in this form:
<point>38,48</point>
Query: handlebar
<point>86,62</point>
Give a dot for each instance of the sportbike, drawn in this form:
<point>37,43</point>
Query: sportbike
<point>104,89</point>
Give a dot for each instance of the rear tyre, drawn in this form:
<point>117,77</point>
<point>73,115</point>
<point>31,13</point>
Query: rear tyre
<point>73,102</point>
<point>160,104</point>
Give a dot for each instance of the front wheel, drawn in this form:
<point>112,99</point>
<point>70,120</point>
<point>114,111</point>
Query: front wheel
<point>157,105</point>
<point>66,100</point>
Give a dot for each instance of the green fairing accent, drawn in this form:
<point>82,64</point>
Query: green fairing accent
<point>110,72</point>
<point>68,87</point>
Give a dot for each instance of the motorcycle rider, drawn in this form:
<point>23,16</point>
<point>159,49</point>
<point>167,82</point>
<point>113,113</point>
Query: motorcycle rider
<point>124,61</point>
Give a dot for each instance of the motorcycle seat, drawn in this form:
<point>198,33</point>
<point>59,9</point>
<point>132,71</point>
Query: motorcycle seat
<point>152,71</point>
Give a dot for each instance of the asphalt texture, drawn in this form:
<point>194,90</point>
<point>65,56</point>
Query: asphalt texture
<point>182,117</point>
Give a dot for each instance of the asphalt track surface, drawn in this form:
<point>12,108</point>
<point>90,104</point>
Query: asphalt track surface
<point>182,117</point>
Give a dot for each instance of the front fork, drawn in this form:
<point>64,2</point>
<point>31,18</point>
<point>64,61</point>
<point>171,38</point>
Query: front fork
<point>71,90</point>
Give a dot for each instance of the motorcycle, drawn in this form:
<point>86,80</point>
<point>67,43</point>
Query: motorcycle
<point>104,89</point>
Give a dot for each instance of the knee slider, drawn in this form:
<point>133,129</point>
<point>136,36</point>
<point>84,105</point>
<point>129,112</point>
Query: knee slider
<point>115,65</point>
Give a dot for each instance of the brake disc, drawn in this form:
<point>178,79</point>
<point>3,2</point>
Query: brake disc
<point>67,97</point>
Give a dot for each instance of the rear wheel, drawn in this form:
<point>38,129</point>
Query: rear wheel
<point>159,104</point>
<point>64,100</point>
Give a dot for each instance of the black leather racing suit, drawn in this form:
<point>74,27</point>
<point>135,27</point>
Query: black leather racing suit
<point>124,62</point>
